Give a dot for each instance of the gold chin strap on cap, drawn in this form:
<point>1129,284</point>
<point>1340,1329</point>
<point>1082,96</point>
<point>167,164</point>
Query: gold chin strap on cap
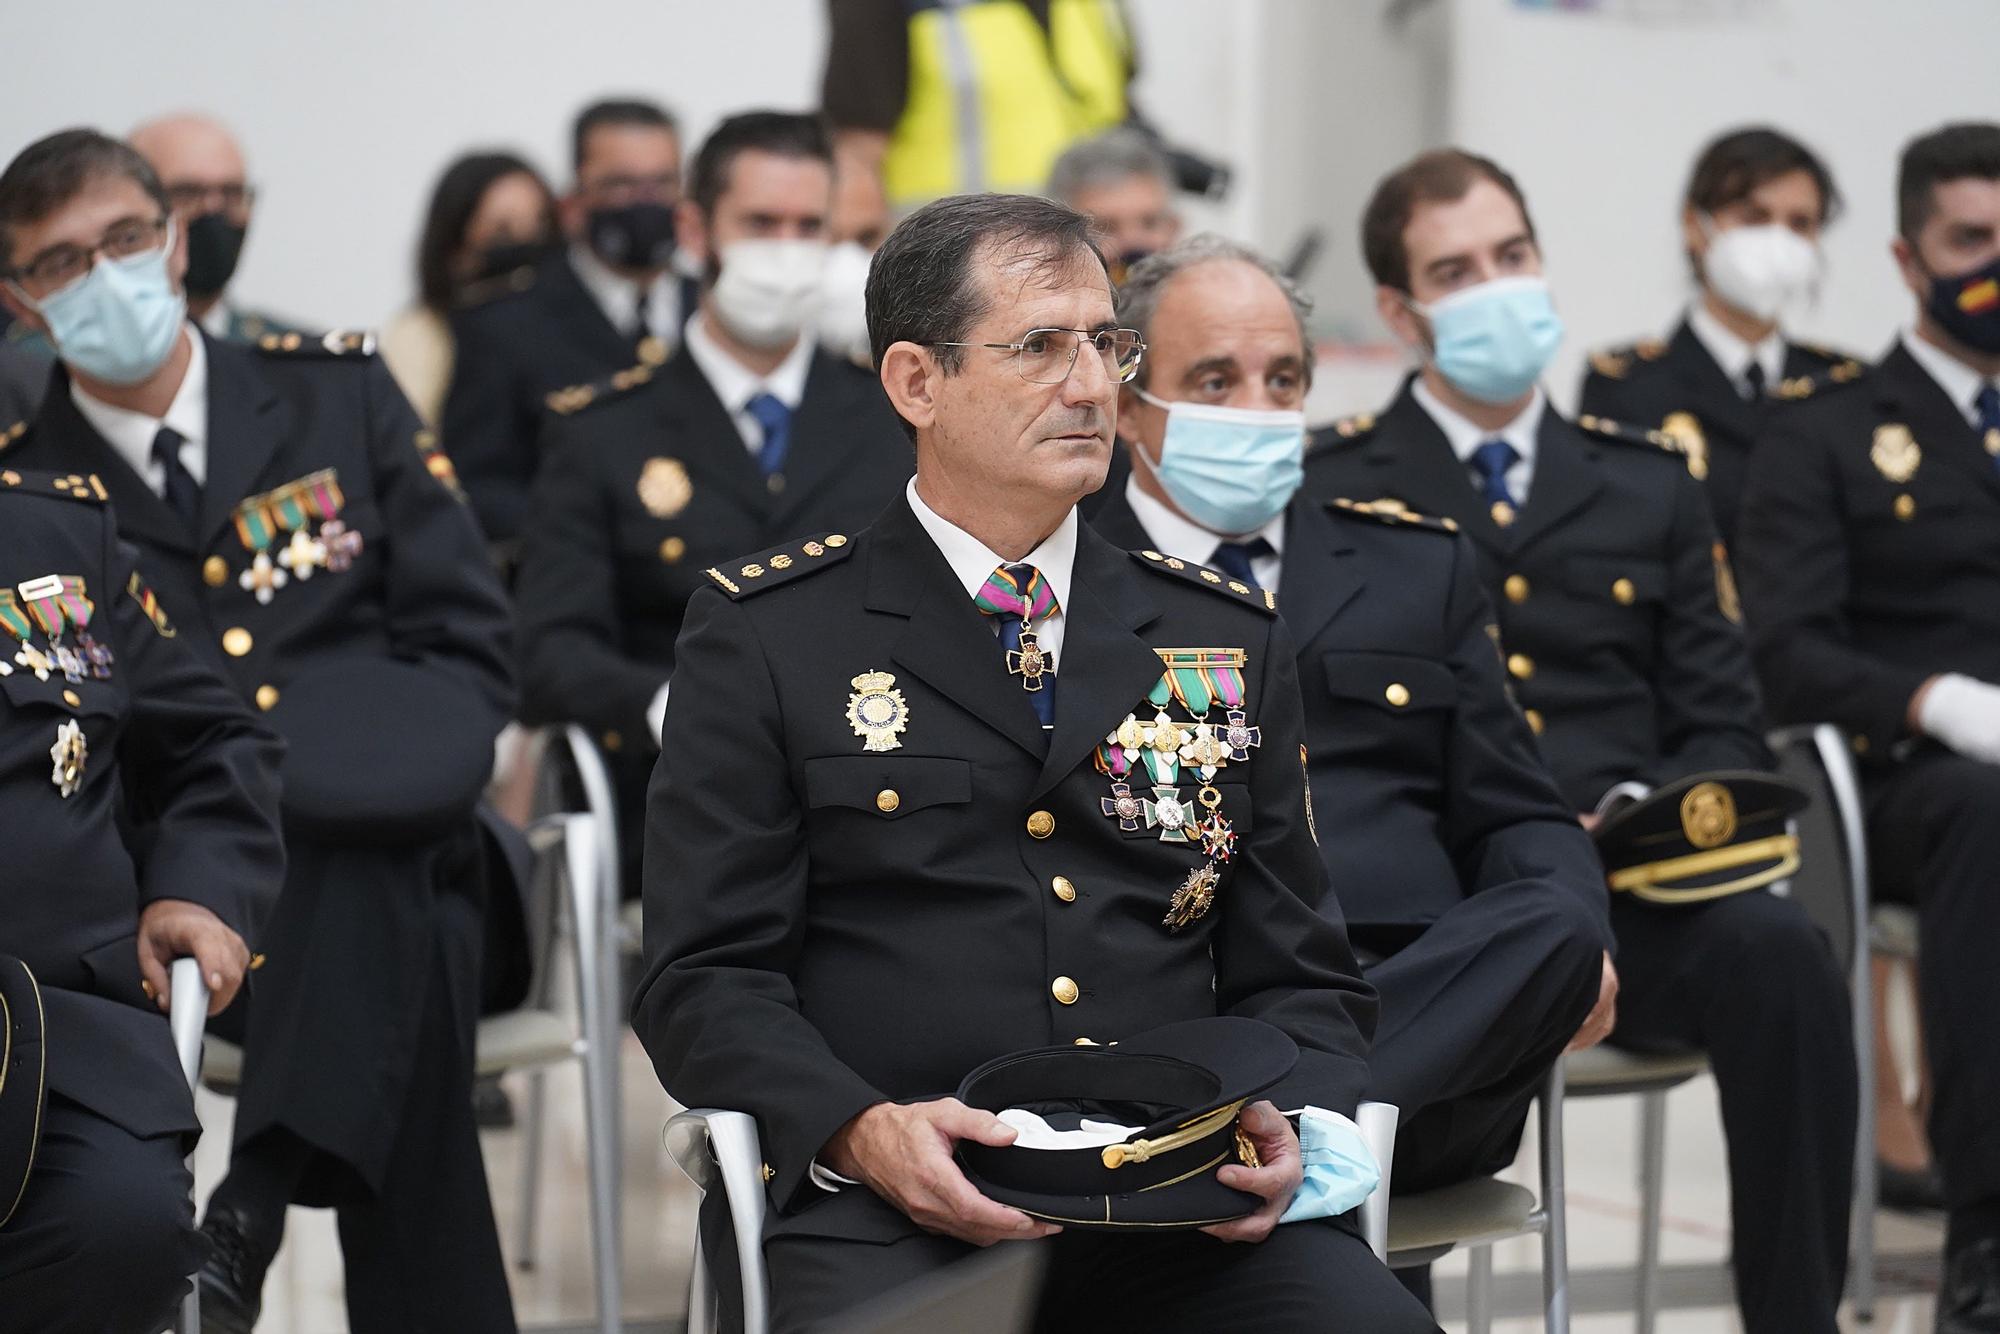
<point>1139,1150</point>
<point>1645,881</point>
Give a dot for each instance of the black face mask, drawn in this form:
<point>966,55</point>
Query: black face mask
<point>509,256</point>
<point>1121,266</point>
<point>637,236</point>
<point>1968,306</point>
<point>214,245</point>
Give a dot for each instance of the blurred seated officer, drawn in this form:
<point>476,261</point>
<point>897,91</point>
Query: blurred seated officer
<point>1122,182</point>
<point>307,532</point>
<point>201,165</point>
<point>884,845</point>
<point>1619,622</point>
<point>1750,223</point>
<point>1470,891</point>
<point>747,436</point>
<point>1871,573</point>
<point>153,837</point>
<point>610,298</point>
<point>491,220</point>
<point>942,97</point>
<point>855,230</point>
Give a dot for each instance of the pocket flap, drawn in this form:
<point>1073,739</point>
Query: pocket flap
<point>890,786</point>
<point>24,690</point>
<point>1392,682</point>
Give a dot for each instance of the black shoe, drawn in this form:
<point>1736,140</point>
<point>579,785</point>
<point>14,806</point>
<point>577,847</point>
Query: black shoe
<point>232,1279</point>
<point>1969,1302</point>
<point>492,1109</point>
<point>1911,1192</point>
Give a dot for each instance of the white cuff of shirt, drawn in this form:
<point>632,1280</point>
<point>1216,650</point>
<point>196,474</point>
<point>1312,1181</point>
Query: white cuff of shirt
<point>827,1180</point>
<point>656,712</point>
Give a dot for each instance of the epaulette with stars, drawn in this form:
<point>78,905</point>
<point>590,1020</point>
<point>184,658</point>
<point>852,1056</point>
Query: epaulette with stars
<point>333,343</point>
<point>68,485</point>
<point>1795,387</point>
<point>780,565</point>
<point>1606,429</point>
<point>577,397</point>
<point>1215,581</point>
<point>1617,362</point>
<point>1391,512</point>
<point>1338,435</point>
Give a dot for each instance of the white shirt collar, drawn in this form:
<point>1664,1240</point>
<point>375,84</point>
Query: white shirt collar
<point>1466,435</point>
<point>1961,383</point>
<point>618,297</point>
<point>736,384</point>
<point>1732,353</point>
<point>216,322</point>
<point>131,433</point>
<point>972,562</point>
<point>1177,535</point>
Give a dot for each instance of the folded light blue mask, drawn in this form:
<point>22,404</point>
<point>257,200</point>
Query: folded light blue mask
<point>1340,1168</point>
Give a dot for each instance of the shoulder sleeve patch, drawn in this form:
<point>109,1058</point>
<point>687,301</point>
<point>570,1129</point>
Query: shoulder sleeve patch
<point>567,402</point>
<point>1393,513</point>
<point>1215,581</point>
<point>780,565</point>
<point>333,343</point>
<point>70,486</point>
<point>438,463</point>
<point>1606,429</point>
<point>140,592</point>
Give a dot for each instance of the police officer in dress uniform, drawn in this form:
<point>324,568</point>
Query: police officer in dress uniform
<point>897,831</point>
<point>1618,621</point>
<point>141,800</point>
<point>287,500</point>
<point>1871,575</point>
<point>1750,221</point>
<point>612,297</point>
<point>748,435</point>
<point>1422,765</point>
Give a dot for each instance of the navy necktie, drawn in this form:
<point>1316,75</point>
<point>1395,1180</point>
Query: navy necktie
<point>1491,461</point>
<point>182,493</point>
<point>776,420</point>
<point>1753,381</point>
<point>1989,420</point>
<point>1235,559</point>
<point>642,324</point>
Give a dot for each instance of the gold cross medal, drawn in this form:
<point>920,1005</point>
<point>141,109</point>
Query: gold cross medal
<point>1031,661</point>
<point>877,711</point>
<point>69,753</point>
<point>262,579</point>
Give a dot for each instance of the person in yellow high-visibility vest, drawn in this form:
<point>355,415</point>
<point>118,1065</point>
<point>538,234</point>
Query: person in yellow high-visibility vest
<point>939,97</point>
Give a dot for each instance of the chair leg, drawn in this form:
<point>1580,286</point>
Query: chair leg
<point>190,1321</point>
<point>1652,1178</point>
<point>595,997</point>
<point>701,1303</point>
<point>1867,1185</point>
<point>532,1120</point>
<point>1555,1205</point>
<point>1479,1290</point>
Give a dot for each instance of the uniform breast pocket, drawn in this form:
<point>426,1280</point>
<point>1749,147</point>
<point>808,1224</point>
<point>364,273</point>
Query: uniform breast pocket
<point>79,721</point>
<point>1623,581</point>
<point>1396,684</point>
<point>889,787</point>
<point>867,813</point>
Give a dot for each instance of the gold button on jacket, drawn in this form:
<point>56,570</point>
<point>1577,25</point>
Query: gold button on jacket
<point>1041,824</point>
<point>1064,990</point>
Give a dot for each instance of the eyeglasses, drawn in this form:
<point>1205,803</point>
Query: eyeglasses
<point>191,200</point>
<point>62,265</point>
<point>1046,356</point>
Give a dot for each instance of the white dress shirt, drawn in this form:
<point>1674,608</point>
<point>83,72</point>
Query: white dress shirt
<point>618,297</point>
<point>1177,535</point>
<point>1733,354</point>
<point>131,433</point>
<point>1959,381</point>
<point>1466,435</point>
<point>736,384</point>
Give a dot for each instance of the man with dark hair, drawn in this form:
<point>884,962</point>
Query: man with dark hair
<point>888,839</point>
<point>1471,893</point>
<point>154,836</point>
<point>1618,625</point>
<point>308,535</point>
<point>1871,578</point>
<point>746,436</point>
<point>612,297</point>
<point>1751,218</point>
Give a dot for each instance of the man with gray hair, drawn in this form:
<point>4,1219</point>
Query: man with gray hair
<point>1472,896</point>
<point>1120,180</point>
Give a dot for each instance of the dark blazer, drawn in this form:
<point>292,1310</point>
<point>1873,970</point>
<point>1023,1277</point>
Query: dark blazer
<point>648,486</point>
<point>512,351</point>
<point>1678,387</point>
<point>178,799</point>
<point>1432,792</point>
<point>1615,600</point>
<point>827,927</point>
<point>1871,551</point>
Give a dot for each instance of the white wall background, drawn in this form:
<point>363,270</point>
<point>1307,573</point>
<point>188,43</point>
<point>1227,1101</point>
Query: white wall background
<point>348,111</point>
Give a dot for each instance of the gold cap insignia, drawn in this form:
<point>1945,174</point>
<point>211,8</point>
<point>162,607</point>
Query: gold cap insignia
<point>1708,815</point>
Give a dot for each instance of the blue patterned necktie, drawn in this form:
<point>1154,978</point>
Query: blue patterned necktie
<point>1235,559</point>
<point>1017,598</point>
<point>776,420</point>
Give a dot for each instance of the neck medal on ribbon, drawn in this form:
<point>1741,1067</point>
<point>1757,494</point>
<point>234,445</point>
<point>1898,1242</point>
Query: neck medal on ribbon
<point>1151,763</point>
<point>301,522</point>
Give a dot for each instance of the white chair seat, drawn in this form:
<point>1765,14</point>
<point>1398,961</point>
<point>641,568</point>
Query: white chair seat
<point>1605,1069</point>
<point>1471,1213</point>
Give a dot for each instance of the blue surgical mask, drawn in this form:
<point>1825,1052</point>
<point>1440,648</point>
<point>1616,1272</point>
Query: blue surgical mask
<point>118,322</point>
<point>1231,470</point>
<point>1494,340</point>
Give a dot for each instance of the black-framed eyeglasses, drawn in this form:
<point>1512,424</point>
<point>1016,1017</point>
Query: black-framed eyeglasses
<point>191,199</point>
<point>1046,356</point>
<point>59,266</point>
